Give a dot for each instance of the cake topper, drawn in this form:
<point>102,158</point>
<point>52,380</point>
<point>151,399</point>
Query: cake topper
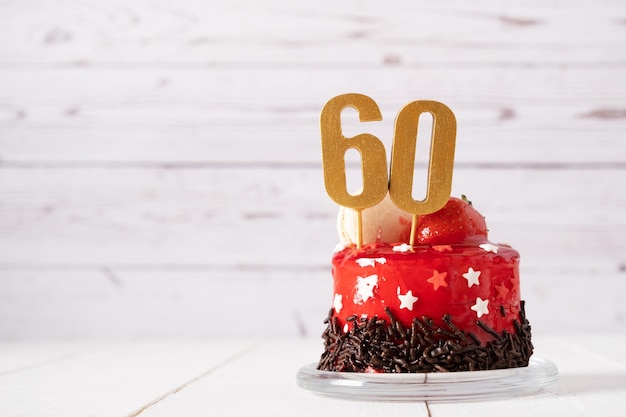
<point>376,182</point>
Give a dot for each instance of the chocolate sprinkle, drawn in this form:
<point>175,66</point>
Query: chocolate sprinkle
<point>387,346</point>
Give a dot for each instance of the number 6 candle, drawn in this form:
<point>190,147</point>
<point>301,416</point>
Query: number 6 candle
<point>372,150</point>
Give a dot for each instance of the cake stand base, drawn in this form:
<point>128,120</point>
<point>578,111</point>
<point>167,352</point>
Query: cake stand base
<point>432,387</point>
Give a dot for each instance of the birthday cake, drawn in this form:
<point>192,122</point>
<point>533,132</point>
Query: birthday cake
<point>449,302</point>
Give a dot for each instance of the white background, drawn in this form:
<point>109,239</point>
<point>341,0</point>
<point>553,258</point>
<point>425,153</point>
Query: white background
<point>160,166</point>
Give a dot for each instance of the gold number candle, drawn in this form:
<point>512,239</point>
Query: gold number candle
<point>440,164</point>
<point>371,149</point>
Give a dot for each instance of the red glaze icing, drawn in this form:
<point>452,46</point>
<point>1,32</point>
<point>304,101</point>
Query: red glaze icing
<point>434,274</point>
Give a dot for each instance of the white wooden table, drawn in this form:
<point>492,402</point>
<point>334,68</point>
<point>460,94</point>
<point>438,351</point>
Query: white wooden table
<point>258,378</point>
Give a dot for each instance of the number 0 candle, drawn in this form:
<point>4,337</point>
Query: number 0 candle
<point>440,163</point>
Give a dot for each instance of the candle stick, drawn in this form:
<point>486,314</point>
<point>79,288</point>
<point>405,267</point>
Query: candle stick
<point>359,228</point>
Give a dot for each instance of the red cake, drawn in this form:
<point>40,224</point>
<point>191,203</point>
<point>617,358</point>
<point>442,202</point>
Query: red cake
<point>450,302</point>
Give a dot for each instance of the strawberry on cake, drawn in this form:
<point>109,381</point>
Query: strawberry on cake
<point>450,302</point>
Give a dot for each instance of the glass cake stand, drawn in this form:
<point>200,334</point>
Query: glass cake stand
<point>432,387</point>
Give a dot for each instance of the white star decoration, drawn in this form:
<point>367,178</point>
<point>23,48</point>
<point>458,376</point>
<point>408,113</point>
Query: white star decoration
<point>365,288</point>
<point>402,248</point>
<point>363,262</point>
<point>480,307</point>
<point>472,277</point>
<point>489,247</point>
<point>337,304</point>
<point>407,300</point>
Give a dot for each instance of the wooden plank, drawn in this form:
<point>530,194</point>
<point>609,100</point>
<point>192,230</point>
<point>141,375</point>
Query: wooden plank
<point>604,346</point>
<point>248,34</point>
<point>261,302</point>
<point>117,381</point>
<point>157,302</point>
<point>262,383</point>
<point>505,115</point>
<point>557,218</point>
<point>590,384</point>
<point>17,357</point>
<point>569,302</point>
<point>265,145</point>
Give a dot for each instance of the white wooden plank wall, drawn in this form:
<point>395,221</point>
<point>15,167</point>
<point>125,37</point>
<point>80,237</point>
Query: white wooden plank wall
<point>160,166</point>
